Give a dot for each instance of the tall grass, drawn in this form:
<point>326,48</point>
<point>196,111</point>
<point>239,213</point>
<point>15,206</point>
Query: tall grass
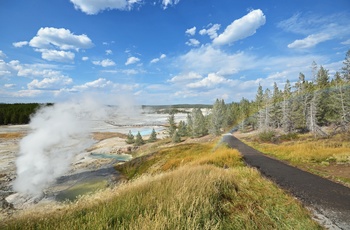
<point>194,187</point>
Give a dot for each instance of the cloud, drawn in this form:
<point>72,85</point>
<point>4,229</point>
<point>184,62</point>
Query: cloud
<point>56,55</point>
<point>91,7</point>
<point>193,42</point>
<point>208,59</point>
<point>310,41</point>
<point>49,83</point>
<point>212,31</point>
<point>85,58</point>
<point>2,54</point>
<point>20,44</point>
<point>316,28</point>
<point>347,42</point>
<point>9,86</point>
<point>155,60</point>
<point>241,28</point>
<point>185,77</point>
<point>104,63</point>
<point>99,83</point>
<point>109,52</point>
<point>212,80</point>
<point>191,31</point>
<point>132,60</point>
<point>49,37</point>
<point>167,3</point>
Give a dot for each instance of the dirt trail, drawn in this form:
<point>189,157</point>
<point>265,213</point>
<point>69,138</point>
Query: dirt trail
<point>327,198</point>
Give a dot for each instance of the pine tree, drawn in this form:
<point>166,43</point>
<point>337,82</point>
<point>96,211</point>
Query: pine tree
<point>346,67</point>
<point>130,138</point>
<point>176,137</point>
<point>189,125</point>
<point>182,129</point>
<point>218,119</point>
<point>276,108</point>
<point>266,111</point>
<point>153,136</point>
<point>172,125</point>
<point>322,96</point>
<point>139,141</point>
<point>199,126</point>
<point>287,123</point>
<point>259,107</point>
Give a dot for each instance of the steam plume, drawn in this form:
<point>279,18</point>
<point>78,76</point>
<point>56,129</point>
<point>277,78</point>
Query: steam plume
<point>58,133</point>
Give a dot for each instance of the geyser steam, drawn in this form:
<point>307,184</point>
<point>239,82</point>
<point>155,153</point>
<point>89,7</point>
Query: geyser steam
<point>58,133</point>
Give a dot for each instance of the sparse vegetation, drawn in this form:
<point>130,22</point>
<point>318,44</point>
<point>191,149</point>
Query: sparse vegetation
<point>188,186</point>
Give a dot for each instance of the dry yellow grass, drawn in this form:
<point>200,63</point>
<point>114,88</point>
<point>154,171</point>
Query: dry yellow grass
<point>321,156</point>
<point>189,186</point>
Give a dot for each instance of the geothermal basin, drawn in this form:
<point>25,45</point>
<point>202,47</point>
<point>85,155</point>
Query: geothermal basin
<point>89,170</point>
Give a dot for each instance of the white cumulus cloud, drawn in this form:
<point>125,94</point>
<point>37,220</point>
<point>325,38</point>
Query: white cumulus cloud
<point>56,55</point>
<point>191,31</point>
<point>167,3</point>
<point>193,42</point>
<point>155,60</point>
<point>49,83</point>
<point>104,63</point>
<point>212,31</point>
<point>241,28</point>
<point>212,80</point>
<point>20,44</point>
<point>99,83</point>
<point>132,60</point>
<point>64,39</point>
<point>94,7</point>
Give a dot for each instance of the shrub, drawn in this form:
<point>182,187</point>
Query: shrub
<point>267,136</point>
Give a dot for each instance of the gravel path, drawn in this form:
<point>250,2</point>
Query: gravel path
<point>328,199</point>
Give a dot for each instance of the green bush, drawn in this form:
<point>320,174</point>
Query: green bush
<point>267,136</point>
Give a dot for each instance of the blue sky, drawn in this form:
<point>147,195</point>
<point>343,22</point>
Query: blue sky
<point>164,51</point>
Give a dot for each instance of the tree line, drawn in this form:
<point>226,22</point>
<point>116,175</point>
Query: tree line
<point>18,113</point>
<point>305,106</point>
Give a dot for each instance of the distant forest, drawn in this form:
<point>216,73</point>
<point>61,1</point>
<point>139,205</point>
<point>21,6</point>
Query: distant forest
<point>18,113</point>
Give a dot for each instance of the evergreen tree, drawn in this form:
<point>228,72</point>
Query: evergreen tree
<point>153,136</point>
<point>266,111</point>
<point>189,125</point>
<point>299,103</point>
<point>176,137</point>
<point>199,126</point>
<point>346,67</point>
<point>130,138</point>
<point>244,113</point>
<point>259,106</point>
<point>172,125</point>
<point>321,94</point>
<point>218,119</point>
<point>287,123</point>
<point>276,109</point>
<point>139,141</point>
<point>182,129</point>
